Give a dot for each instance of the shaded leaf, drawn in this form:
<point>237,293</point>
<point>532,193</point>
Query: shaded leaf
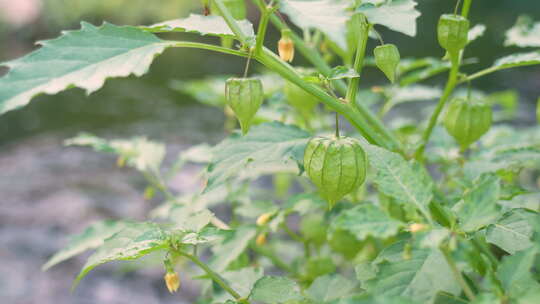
<point>396,178</point>
<point>515,272</point>
<point>243,280</point>
<point>479,207</point>
<point>266,148</point>
<point>514,231</point>
<point>367,220</point>
<point>272,289</point>
<point>231,248</point>
<point>329,287</point>
<point>84,58</point>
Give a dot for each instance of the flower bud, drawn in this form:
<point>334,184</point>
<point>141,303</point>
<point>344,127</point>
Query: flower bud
<point>286,46</point>
<point>417,227</point>
<point>172,281</point>
<point>261,239</point>
<point>264,218</point>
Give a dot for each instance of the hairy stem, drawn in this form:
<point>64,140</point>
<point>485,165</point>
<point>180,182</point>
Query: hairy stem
<point>457,274</point>
<point>213,275</point>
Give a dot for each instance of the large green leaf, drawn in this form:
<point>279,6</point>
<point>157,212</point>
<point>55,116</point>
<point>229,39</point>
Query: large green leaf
<point>525,33</point>
<point>367,220</point>
<point>397,178</point>
<point>132,242</point>
<point>329,287</point>
<point>327,16</point>
<point>92,237</point>
<point>243,280</point>
<point>231,247</point>
<point>419,278</point>
<point>514,231</point>
<point>203,25</point>
<point>479,207</point>
<point>268,147</point>
<point>397,15</point>
<point>516,271</point>
<point>84,58</point>
<point>273,290</point>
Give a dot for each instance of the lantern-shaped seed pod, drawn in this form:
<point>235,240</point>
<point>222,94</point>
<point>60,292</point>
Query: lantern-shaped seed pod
<point>387,60</point>
<point>245,97</point>
<point>467,120</point>
<point>452,33</point>
<point>337,166</point>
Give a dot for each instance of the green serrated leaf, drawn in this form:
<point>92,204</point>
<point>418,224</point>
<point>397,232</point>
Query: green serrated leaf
<point>92,237</point>
<point>231,248</point>
<point>516,272</point>
<point>397,178</point>
<point>342,72</point>
<point>367,220</point>
<point>266,148</point>
<point>189,218</point>
<point>329,288</point>
<point>84,58</point>
<point>397,15</point>
<point>513,232</point>
<point>132,242</point>
<point>204,25</point>
<point>243,280</point>
<point>419,278</point>
<point>327,16</point>
<point>273,290</point>
<point>517,60</point>
<point>479,206</point>
<point>525,33</point>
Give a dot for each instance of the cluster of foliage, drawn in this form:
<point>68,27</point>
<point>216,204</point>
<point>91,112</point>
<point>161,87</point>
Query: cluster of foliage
<point>399,211</point>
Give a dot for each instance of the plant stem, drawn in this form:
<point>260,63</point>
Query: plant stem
<point>210,47</point>
<point>457,274</point>
<point>261,30</point>
<point>264,251</point>
<point>450,85</point>
<point>370,121</point>
<point>466,8</point>
<point>214,276</point>
<point>358,63</point>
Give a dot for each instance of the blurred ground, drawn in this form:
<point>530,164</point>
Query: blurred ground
<point>48,192</point>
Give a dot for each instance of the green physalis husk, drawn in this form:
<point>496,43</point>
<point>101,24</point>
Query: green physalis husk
<point>467,120</point>
<point>245,97</point>
<point>337,166</point>
<point>387,60</point>
<point>452,33</point>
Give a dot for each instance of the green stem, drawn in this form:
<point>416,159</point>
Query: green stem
<point>457,274</point>
<point>466,8</point>
<point>261,30</point>
<point>210,47</point>
<point>480,74</point>
<point>214,276</point>
<point>231,22</point>
<point>358,63</point>
<point>450,85</point>
<point>370,121</point>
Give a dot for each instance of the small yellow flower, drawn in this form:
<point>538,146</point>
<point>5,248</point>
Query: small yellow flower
<point>172,281</point>
<point>261,239</point>
<point>120,161</point>
<point>286,47</point>
<point>264,218</point>
<point>417,227</point>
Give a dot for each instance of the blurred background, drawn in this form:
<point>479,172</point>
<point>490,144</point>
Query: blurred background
<point>48,191</point>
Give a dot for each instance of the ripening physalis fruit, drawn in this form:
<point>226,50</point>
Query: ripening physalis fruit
<point>286,46</point>
<point>172,281</point>
<point>337,166</point>
<point>387,59</point>
<point>245,97</point>
<point>467,120</point>
<point>452,33</point>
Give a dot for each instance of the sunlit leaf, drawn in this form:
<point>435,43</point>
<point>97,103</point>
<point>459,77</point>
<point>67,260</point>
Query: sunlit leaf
<point>525,33</point>
<point>273,290</point>
<point>397,15</point>
<point>514,231</point>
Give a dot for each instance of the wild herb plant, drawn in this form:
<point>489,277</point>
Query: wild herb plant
<point>393,209</point>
